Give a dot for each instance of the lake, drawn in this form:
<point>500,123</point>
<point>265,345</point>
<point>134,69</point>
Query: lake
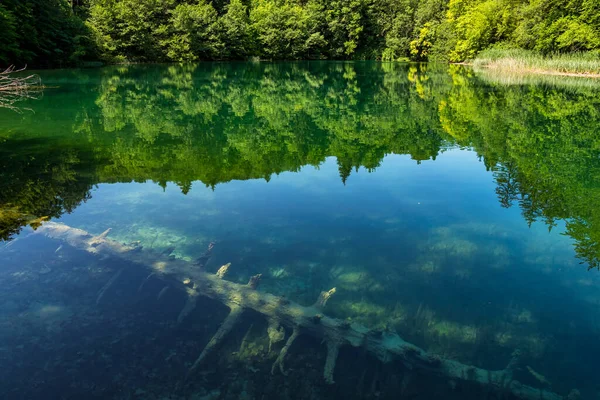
<point>456,214</point>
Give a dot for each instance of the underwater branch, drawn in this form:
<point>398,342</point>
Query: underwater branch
<point>298,319</point>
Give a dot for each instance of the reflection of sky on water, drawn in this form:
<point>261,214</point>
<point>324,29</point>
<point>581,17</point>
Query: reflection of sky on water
<point>440,218</point>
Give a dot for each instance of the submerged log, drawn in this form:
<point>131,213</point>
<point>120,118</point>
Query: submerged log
<point>308,320</point>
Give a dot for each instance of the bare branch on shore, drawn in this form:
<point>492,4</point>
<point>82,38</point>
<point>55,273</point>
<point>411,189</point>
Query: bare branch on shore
<point>16,87</point>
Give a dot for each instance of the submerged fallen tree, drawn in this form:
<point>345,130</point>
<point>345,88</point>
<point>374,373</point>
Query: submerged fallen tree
<point>282,313</point>
<point>16,87</point>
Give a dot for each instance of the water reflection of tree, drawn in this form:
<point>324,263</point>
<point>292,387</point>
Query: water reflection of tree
<point>36,185</point>
<point>219,122</point>
<point>542,143</point>
<point>250,122</point>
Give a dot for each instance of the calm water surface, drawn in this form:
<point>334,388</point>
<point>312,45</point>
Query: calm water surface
<point>460,211</point>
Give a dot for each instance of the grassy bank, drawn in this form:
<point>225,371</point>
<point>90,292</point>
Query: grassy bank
<point>527,62</point>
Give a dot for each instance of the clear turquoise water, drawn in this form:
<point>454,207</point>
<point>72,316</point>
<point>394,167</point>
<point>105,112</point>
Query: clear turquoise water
<point>455,210</point>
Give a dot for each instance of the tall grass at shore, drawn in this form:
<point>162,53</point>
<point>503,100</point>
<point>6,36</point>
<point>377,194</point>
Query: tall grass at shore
<point>523,61</point>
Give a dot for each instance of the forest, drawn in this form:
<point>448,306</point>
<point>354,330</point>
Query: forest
<point>61,33</point>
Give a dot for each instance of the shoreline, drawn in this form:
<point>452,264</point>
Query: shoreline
<point>528,70</point>
<point>522,62</point>
<point>539,71</point>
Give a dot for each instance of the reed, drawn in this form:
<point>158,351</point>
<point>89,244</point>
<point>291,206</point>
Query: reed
<point>527,62</point>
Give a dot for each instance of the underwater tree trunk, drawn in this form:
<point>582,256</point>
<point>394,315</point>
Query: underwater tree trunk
<point>300,319</point>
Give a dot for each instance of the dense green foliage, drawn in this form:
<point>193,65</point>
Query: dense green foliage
<point>44,33</point>
<point>60,32</point>
<point>218,122</point>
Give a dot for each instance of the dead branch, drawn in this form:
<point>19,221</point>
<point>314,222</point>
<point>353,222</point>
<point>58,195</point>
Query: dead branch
<point>281,357</point>
<point>108,285</point>
<point>224,329</point>
<point>15,87</point>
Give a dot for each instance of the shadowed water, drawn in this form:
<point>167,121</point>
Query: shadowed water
<point>458,210</point>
